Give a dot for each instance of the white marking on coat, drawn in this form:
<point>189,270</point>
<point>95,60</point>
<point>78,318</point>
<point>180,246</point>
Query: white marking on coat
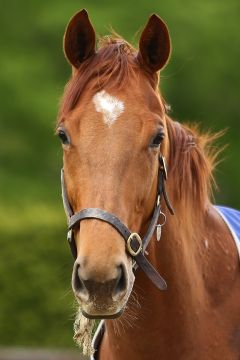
<point>109,106</point>
<point>206,243</point>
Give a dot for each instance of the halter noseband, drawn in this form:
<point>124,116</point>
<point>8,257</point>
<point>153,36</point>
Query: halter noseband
<point>134,244</point>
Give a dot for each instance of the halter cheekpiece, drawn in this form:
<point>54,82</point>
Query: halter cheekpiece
<point>135,245</point>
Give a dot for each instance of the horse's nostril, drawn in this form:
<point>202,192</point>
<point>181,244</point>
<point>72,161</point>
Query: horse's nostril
<point>77,283</point>
<point>121,281</point>
<point>88,286</point>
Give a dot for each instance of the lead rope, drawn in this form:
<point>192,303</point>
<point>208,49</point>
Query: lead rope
<point>83,330</point>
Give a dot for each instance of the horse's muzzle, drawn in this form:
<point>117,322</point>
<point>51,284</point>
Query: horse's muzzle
<point>99,298</point>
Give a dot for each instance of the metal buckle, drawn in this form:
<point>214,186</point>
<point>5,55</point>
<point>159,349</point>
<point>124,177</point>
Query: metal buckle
<point>139,240</point>
<point>163,167</point>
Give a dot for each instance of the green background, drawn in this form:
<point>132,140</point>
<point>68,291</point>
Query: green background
<point>201,83</point>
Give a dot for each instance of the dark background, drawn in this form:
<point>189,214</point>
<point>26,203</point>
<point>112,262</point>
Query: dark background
<point>201,83</point>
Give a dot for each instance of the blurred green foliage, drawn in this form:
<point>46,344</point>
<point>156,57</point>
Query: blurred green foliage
<point>201,82</point>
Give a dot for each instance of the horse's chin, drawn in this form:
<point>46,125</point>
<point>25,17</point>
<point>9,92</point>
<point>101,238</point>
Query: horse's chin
<point>102,311</point>
<point>103,316</point>
<point>104,308</point>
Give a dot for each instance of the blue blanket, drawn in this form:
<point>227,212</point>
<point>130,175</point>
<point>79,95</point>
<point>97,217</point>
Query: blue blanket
<point>232,219</point>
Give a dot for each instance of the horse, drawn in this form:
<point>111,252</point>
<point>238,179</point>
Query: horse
<point>118,141</point>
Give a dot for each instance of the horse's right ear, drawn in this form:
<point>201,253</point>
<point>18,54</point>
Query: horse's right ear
<point>79,39</point>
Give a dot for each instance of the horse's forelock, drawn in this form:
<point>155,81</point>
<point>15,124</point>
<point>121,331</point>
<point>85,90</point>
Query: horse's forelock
<point>114,65</point>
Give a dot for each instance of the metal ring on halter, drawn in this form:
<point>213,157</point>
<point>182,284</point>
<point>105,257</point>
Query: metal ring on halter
<point>134,236</point>
<point>163,219</point>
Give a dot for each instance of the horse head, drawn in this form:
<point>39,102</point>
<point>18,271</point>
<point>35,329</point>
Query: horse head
<point>112,127</point>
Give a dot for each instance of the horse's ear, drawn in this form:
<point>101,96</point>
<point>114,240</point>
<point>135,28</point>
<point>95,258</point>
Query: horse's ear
<point>154,44</point>
<point>79,39</point>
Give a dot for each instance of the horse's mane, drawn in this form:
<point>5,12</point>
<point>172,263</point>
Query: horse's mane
<point>114,65</point>
<point>191,157</point>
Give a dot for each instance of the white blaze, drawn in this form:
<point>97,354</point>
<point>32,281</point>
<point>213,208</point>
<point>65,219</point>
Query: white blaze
<point>110,107</point>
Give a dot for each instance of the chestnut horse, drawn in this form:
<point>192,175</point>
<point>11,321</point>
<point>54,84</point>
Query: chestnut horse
<point>114,127</point>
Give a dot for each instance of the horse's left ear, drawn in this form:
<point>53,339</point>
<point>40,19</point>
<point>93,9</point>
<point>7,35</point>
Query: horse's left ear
<point>154,45</point>
<point>79,39</point>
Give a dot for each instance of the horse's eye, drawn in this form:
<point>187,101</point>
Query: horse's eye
<point>63,136</point>
<point>158,138</point>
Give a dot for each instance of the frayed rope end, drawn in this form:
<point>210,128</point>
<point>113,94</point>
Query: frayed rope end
<point>83,329</point>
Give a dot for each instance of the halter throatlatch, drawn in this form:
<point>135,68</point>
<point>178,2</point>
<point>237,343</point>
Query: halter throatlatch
<point>135,245</point>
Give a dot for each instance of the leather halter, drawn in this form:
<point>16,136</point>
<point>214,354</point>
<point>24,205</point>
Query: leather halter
<point>134,244</point>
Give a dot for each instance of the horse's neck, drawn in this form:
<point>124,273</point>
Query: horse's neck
<point>152,313</point>
<point>176,257</point>
<point>166,325</point>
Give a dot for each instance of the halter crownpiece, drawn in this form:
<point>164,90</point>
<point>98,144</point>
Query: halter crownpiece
<point>135,245</point>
